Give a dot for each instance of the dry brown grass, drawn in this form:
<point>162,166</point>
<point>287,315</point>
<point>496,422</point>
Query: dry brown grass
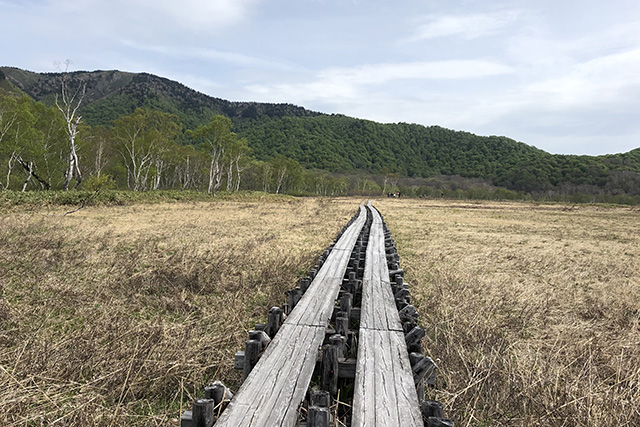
<point>533,312</point>
<point>120,315</point>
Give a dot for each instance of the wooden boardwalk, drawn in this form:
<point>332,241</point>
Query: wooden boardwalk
<point>385,393</point>
<point>387,383</point>
<point>271,394</point>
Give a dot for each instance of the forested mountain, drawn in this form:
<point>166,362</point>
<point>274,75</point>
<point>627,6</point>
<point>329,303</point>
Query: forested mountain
<point>112,94</point>
<point>337,143</point>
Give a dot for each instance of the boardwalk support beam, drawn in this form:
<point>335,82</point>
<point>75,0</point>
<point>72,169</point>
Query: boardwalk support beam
<point>203,415</point>
<point>330,369</point>
<point>251,353</point>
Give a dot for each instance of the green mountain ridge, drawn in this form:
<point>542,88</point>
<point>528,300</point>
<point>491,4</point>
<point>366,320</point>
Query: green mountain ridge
<point>342,144</point>
<point>111,94</point>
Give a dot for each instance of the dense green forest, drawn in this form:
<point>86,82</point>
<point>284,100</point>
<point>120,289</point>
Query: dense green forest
<point>339,143</point>
<point>268,147</point>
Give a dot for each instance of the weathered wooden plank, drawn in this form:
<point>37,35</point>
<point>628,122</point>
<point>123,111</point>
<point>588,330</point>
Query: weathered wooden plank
<point>268,395</point>
<point>276,386</point>
<point>378,305</point>
<point>316,305</point>
<point>384,393</point>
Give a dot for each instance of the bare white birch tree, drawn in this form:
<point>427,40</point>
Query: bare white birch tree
<point>129,132</point>
<point>13,158</point>
<point>239,171</point>
<point>237,151</point>
<point>17,137</point>
<point>216,137</point>
<point>267,173</point>
<point>100,160</point>
<point>8,117</point>
<point>280,174</point>
<point>68,106</point>
<point>142,138</point>
<point>280,166</point>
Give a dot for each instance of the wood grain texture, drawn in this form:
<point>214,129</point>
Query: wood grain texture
<point>385,394</point>
<point>378,304</point>
<point>273,391</point>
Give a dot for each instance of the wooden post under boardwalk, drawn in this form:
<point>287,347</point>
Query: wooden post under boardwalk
<point>318,417</point>
<point>251,353</point>
<point>330,369</point>
<point>203,415</point>
<point>275,319</point>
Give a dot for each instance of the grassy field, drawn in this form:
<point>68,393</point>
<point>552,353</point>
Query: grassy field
<point>119,315</point>
<point>532,312</point>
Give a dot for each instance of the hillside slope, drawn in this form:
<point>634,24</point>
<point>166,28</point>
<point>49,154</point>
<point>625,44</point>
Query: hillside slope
<point>339,143</point>
<point>343,144</point>
<point>111,94</point>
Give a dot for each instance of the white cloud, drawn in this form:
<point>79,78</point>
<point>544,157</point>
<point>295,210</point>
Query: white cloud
<point>349,83</point>
<point>432,70</point>
<point>197,13</point>
<point>597,81</point>
<point>208,54</point>
<point>465,26</point>
<point>146,19</point>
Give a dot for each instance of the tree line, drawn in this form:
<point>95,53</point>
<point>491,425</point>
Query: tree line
<point>50,147</point>
<point>343,144</point>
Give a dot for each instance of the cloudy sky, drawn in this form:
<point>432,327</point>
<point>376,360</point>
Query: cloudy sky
<point>563,76</point>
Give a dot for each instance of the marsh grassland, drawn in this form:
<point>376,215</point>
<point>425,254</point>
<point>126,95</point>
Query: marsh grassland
<point>120,315</point>
<point>532,312</point>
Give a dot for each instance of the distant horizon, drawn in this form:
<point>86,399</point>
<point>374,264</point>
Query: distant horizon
<point>308,109</point>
